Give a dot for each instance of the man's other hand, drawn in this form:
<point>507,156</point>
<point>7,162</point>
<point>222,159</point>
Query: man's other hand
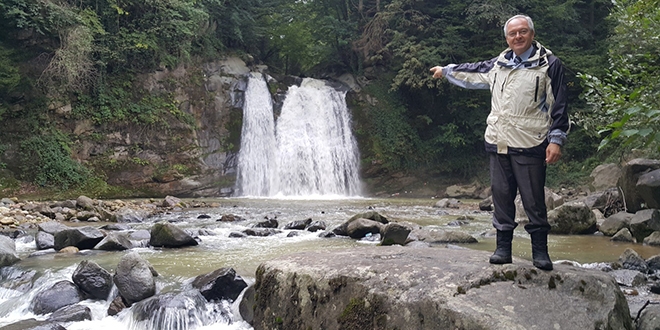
<point>552,153</point>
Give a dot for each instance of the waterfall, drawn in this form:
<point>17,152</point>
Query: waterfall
<point>310,151</point>
<point>256,159</point>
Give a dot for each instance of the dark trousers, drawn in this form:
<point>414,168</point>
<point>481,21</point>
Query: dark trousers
<point>510,173</point>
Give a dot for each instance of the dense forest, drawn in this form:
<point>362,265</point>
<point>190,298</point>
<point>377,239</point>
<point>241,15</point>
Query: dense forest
<point>87,53</point>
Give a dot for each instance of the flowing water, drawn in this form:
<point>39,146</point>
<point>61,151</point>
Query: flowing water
<point>177,267</point>
<point>309,151</point>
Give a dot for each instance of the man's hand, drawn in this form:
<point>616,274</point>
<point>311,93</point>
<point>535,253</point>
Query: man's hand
<point>437,71</point>
<point>552,153</point>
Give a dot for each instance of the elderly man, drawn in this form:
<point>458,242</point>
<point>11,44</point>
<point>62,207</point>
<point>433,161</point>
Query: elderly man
<point>527,126</point>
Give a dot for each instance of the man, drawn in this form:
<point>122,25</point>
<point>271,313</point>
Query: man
<point>527,126</point>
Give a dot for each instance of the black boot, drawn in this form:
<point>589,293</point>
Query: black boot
<point>502,254</point>
<point>540,257</point>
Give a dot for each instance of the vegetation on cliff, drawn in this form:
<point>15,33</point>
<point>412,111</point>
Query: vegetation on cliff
<point>89,54</point>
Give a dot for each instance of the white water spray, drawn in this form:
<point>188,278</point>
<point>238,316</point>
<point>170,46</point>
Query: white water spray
<point>312,153</point>
<point>257,154</point>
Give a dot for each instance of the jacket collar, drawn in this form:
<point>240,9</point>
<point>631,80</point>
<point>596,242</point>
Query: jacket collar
<point>537,58</point>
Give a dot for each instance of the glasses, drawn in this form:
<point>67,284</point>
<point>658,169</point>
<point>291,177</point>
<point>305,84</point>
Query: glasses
<point>513,34</point>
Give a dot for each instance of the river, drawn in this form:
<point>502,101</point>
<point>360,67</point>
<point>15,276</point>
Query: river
<point>177,267</point>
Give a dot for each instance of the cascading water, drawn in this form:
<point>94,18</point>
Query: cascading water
<point>312,152</point>
<point>257,156</point>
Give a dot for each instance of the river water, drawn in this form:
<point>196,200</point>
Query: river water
<point>177,267</point>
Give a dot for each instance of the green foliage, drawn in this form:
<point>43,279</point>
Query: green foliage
<point>9,77</point>
<point>46,161</point>
<point>120,101</point>
<point>393,142</point>
<point>626,101</point>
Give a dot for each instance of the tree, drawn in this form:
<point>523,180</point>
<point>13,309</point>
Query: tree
<point>626,100</point>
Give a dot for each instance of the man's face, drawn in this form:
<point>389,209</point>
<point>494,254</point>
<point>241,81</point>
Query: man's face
<point>518,36</point>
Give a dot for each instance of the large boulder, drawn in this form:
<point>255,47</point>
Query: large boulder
<point>60,294</point>
<point>630,174</point>
<point>92,279</point>
<point>644,222</point>
<point>220,284</point>
<point>572,218</point>
<point>170,236</point>
<point>134,278</point>
<point>648,188</point>
<point>342,229</point>
<point>359,228</point>
<point>81,237</point>
<point>395,233</point>
<point>605,176</point>
<point>431,288</point>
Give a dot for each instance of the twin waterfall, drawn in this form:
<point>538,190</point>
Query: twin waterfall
<point>309,152</point>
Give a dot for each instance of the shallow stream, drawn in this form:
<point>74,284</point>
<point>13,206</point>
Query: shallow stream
<point>177,267</point>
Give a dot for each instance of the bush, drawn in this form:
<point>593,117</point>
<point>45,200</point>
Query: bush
<point>46,161</point>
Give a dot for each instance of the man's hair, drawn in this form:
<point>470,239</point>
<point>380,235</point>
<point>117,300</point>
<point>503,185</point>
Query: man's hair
<point>529,22</point>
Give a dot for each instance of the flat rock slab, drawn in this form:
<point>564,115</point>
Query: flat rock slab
<point>377,287</point>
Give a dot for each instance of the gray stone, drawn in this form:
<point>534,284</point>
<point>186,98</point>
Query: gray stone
<point>395,233</point>
<point>648,188</point>
<point>316,226</point>
<point>612,224</point>
<point>245,307</point>
<point>358,228</point>
<point>572,218</point>
<point>170,236</point>
<point>342,229</point>
<point>630,174</point>
<point>261,232</point>
<point>605,176</point>
<point>220,284</point>
<point>80,237</point>
<point>649,318</point>
<point>630,259</point>
<point>52,227</point>
<point>60,294</point>
<point>85,203</point>
<point>115,242</point>
<point>629,277</point>
<point>644,222</point>
<point>8,255</point>
<point>130,215</point>
<point>33,324</point>
<point>299,224</point>
<point>71,313</point>
<point>653,239</point>
<point>436,236</point>
<point>653,263</point>
<point>134,278</point>
<point>623,235</point>
<point>431,288</point>
<point>92,279</point>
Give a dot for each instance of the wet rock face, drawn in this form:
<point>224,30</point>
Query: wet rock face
<point>429,288</point>
<point>61,294</point>
<point>220,284</point>
<point>134,278</point>
<point>92,279</point>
